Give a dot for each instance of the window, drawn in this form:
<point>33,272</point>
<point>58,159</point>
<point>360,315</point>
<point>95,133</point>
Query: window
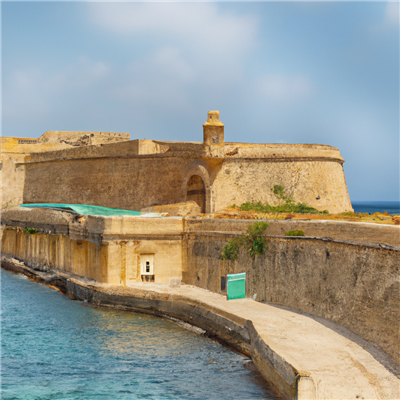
<point>147,264</point>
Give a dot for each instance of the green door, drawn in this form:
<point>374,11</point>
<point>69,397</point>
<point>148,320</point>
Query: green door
<point>236,288</point>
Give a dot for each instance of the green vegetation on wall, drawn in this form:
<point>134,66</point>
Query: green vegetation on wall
<point>30,230</point>
<point>295,233</point>
<point>289,207</point>
<point>253,242</point>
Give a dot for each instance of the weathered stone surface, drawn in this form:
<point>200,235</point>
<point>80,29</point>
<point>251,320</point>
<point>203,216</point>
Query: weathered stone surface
<point>82,138</point>
<point>16,151</point>
<point>105,249</point>
<point>134,182</point>
<point>178,209</point>
<point>243,180</point>
<point>174,283</point>
<point>352,284</point>
<point>358,232</point>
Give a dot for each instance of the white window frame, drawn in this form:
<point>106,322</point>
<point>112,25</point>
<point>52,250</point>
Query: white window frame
<point>146,258</point>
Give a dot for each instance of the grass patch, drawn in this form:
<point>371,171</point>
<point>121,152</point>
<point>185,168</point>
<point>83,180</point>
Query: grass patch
<point>288,207</point>
<point>295,233</point>
<point>352,214</point>
<point>30,230</point>
<point>253,242</point>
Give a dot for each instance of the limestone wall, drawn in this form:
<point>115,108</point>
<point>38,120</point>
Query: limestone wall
<point>16,151</point>
<point>126,183</point>
<point>12,179</point>
<point>282,152</point>
<point>353,284</point>
<point>82,138</point>
<point>139,174</point>
<point>46,251</point>
<point>320,184</point>
<point>361,232</point>
<point>105,249</point>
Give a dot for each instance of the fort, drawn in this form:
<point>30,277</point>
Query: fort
<point>106,169</point>
<point>321,314</point>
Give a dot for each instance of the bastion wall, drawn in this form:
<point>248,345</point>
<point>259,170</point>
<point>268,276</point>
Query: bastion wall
<point>16,151</point>
<point>106,250</point>
<point>138,174</point>
<point>354,285</point>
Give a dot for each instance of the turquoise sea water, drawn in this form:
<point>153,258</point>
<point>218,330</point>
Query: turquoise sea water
<point>392,207</point>
<point>56,348</point>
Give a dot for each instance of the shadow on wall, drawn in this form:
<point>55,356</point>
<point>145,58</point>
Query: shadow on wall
<point>196,191</point>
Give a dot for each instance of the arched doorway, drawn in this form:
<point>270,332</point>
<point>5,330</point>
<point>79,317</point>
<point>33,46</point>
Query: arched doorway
<point>196,191</point>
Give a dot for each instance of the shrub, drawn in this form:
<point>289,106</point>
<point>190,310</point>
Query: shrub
<point>253,242</point>
<point>279,192</point>
<point>30,230</point>
<point>295,233</point>
<point>232,249</point>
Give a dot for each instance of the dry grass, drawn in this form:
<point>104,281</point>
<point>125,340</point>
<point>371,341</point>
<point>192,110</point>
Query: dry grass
<point>377,218</point>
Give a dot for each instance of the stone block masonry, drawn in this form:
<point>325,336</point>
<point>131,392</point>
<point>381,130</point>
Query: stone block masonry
<point>16,151</point>
<point>106,169</point>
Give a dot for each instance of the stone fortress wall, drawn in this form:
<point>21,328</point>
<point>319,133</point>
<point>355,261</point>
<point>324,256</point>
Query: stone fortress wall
<point>216,174</point>
<point>16,151</point>
<point>345,272</point>
<point>105,250</point>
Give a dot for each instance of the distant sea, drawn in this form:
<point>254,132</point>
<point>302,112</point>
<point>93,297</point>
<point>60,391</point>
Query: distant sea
<point>392,207</point>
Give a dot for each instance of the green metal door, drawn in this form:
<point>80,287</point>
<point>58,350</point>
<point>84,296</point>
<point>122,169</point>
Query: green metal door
<point>236,288</point>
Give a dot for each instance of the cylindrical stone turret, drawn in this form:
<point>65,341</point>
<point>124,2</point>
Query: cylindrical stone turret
<point>213,130</point>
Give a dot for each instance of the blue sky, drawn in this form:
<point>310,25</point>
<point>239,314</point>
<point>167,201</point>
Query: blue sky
<point>288,72</point>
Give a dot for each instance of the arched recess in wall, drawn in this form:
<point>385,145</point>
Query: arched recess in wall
<point>197,187</point>
<point>196,191</point>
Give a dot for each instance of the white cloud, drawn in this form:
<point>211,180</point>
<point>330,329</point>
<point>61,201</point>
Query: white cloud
<point>285,88</point>
<point>215,43</point>
<point>169,61</point>
<point>392,12</point>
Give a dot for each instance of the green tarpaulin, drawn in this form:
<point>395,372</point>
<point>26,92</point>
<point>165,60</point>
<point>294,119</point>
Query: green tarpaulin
<point>83,209</point>
<point>236,288</point>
